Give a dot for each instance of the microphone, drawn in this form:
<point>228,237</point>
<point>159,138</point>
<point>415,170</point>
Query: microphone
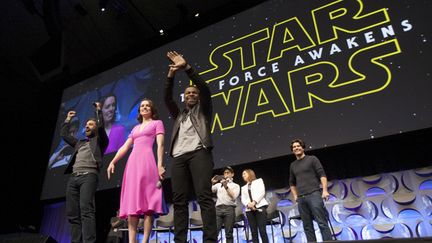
<point>159,184</point>
<point>94,104</point>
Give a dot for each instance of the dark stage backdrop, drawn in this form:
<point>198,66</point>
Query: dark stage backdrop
<point>328,72</point>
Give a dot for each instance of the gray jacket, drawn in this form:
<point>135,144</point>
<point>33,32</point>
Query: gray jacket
<point>201,113</point>
<point>98,143</point>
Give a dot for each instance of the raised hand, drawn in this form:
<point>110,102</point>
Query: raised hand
<point>177,60</point>
<point>214,179</point>
<point>71,115</point>
<point>172,69</point>
<point>98,106</point>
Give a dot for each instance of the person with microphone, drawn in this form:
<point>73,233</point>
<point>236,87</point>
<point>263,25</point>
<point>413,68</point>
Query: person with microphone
<point>252,196</point>
<point>84,166</point>
<point>306,176</point>
<point>227,192</point>
<point>141,192</point>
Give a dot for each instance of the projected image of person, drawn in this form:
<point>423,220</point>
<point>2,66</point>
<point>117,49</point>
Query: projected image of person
<point>84,166</point>
<point>116,132</point>
<point>64,151</point>
<point>141,192</point>
<point>252,197</point>
<point>306,176</point>
<point>190,147</point>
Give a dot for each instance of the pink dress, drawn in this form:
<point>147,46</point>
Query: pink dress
<point>139,193</point>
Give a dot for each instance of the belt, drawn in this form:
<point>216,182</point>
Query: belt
<point>307,194</point>
<point>224,206</point>
<point>80,173</point>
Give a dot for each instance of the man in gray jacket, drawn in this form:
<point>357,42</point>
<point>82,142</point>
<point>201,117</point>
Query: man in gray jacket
<point>190,147</point>
<point>84,166</point>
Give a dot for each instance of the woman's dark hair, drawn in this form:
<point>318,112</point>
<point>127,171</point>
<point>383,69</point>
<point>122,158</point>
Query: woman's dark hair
<point>297,141</point>
<point>102,100</point>
<point>153,109</point>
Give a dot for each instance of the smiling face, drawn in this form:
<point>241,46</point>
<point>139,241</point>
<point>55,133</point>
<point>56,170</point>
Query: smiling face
<point>108,109</point>
<point>246,176</point>
<point>90,128</point>
<point>297,149</point>
<point>191,96</point>
<point>145,109</point>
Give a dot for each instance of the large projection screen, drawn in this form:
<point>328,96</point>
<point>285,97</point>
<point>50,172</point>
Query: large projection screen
<point>328,72</point>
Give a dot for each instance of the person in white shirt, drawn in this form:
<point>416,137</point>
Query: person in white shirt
<point>227,192</point>
<point>252,196</point>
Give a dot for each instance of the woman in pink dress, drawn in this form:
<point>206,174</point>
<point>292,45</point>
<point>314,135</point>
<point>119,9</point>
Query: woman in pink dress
<point>140,193</point>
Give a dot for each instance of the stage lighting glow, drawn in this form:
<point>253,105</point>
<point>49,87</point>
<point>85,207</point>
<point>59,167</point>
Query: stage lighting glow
<point>103,5</point>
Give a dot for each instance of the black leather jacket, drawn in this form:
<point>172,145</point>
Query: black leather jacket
<point>201,113</point>
<point>98,143</point>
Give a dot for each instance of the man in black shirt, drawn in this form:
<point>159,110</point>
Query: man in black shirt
<point>84,166</point>
<point>306,175</point>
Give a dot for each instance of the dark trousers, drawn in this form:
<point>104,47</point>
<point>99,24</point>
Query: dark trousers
<point>311,206</point>
<point>225,215</point>
<point>80,207</point>
<point>257,220</point>
<point>197,167</point>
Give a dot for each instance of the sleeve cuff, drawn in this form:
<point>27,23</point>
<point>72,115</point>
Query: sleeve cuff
<point>190,71</point>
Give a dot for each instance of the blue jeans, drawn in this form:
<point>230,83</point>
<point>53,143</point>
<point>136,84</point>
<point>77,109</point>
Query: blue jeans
<point>80,207</point>
<point>311,206</point>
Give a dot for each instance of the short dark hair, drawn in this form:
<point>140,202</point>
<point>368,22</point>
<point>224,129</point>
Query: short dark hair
<point>193,86</point>
<point>91,119</point>
<point>229,168</point>
<point>297,141</point>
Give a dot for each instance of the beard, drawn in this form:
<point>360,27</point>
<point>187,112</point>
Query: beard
<point>90,133</point>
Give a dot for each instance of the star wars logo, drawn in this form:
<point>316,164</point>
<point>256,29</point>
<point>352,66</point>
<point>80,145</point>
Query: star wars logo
<point>341,52</point>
